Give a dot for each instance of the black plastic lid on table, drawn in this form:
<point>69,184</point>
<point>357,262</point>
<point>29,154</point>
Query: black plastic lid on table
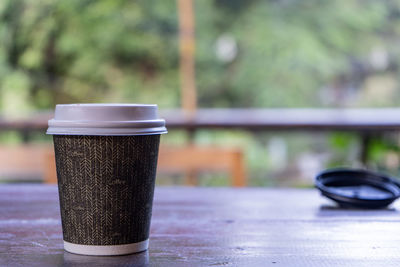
<point>358,188</point>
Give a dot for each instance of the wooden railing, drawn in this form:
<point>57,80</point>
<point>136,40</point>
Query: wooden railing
<point>366,122</point>
<point>382,119</point>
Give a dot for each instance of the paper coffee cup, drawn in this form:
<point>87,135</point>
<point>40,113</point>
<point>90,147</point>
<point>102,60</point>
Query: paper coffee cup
<point>106,161</point>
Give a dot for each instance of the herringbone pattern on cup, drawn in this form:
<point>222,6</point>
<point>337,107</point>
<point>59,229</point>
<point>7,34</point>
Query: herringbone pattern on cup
<point>106,186</point>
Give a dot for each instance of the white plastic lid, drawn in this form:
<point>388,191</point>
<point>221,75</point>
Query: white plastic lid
<point>106,119</point>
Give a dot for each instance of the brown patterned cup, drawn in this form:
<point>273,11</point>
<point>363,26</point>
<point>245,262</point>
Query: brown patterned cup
<point>106,159</point>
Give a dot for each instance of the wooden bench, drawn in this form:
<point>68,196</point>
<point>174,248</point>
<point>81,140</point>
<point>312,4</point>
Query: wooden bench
<point>192,159</point>
<point>25,162</point>
<point>37,161</point>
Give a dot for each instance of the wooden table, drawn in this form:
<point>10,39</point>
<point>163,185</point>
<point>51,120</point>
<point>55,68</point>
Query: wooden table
<point>212,227</point>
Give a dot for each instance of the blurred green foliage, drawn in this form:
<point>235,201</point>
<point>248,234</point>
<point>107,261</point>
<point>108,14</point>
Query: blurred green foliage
<point>87,51</point>
<point>54,51</point>
<point>287,50</point>
<point>281,53</point>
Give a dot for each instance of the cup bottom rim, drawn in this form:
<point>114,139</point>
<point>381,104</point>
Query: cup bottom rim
<point>106,250</point>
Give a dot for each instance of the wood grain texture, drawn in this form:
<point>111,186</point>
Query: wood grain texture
<point>212,227</point>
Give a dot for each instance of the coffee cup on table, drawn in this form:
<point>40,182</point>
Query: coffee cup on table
<point>106,161</point>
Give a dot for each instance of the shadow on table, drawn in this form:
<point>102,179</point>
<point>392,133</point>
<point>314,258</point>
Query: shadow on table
<point>139,259</point>
<point>336,210</point>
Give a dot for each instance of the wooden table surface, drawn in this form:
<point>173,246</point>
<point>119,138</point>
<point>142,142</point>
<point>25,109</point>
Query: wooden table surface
<point>212,227</point>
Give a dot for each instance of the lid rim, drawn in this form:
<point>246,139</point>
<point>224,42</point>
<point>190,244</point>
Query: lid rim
<point>105,131</point>
<point>106,119</point>
<point>107,124</point>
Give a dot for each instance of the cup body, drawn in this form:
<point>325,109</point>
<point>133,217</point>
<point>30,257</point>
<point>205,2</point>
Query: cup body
<point>106,161</point>
<point>106,186</point>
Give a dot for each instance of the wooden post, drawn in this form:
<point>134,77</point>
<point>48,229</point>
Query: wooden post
<point>187,49</point>
<point>239,178</point>
<point>187,68</point>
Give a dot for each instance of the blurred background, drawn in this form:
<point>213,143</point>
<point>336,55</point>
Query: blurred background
<point>203,54</point>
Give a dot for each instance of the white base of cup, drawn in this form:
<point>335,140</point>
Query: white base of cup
<point>107,250</point>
